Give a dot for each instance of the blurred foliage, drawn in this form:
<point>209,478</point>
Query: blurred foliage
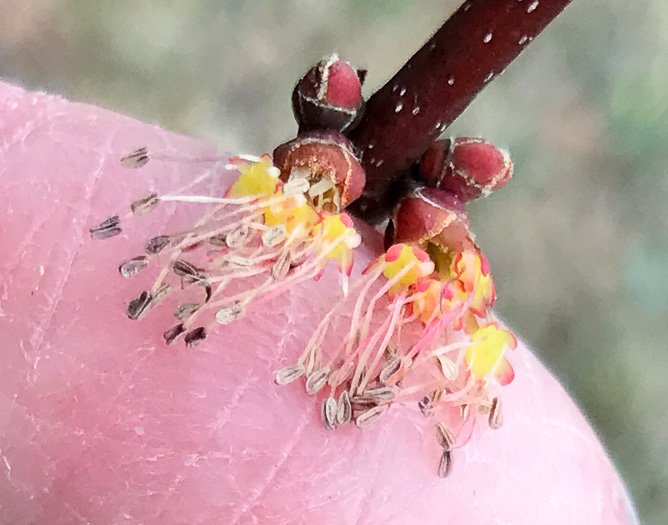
<point>579,243</point>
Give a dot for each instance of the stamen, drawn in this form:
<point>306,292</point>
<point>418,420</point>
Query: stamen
<point>445,465</point>
<point>187,270</point>
<point>145,205</point>
<point>186,310</point>
<point>390,368</point>
<point>230,314</point>
<point>362,403</point>
<point>135,159</point>
<point>344,411</point>
<point>174,333</point>
<point>329,413</point>
<point>281,267</point>
<point>132,267</point>
<point>444,436</point>
<point>195,337</point>
<point>496,414</point>
<point>137,307</point>
<point>156,244</point>
<point>273,236</point>
<point>316,381</point>
<point>287,375</point>
<point>238,236</point>
<point>381,394</point>
<point>108,228</point>
<point>369,417</point>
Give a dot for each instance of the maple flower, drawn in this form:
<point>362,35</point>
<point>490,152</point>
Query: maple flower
<point>421,330</point>
<point>264,235</point>
<point>405,344</point>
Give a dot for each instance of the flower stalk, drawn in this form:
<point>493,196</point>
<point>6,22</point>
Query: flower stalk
<point>404,117</point>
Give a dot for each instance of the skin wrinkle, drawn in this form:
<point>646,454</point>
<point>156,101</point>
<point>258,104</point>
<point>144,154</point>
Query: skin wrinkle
<point>27,241</point>
<point>238,394</point>
<point>367,497</point>
<point>284,453</point>
<point>83,218</point>
<point>106,392</point>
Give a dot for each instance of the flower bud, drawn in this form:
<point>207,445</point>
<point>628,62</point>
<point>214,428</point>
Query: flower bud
<point>329,96</point>
<point>327,160</point>
<point>467,167</point>
<point>436,216</point>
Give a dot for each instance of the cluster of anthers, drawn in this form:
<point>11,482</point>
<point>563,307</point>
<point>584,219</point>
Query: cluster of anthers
<point>281,233</point>
<point>421,331</point>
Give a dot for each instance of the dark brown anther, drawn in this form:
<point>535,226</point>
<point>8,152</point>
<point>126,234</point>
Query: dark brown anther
<point>145,205</point>
<point>132,267</point>
<point>156,244</point>
<point>362,402</point>
<point>208,291</point>
<point>219,240</point>
<point>468,167</point>
<point>434,216</point>
<point>135,159</point>
<point>137,307</point>
<point>425,406</point>
<point>108,228</point>
<point>496,414</point>
<point>445,465</point>
<point>195,337</point>
<point>187,270</point>
<point>173,333</point>
<point>327,160</point>
<point>329,96</point>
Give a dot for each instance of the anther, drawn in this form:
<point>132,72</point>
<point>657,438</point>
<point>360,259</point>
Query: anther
<point>289,374</point>
<point>195,337</point>
<point>369,417</point>
<point>444,436</point>
<point>108,228</point>
<point>281,267</point>
<point>186,310</point>
<point>496,414</point>
<point>329,412</point>
<point>230,314</point>
<point>145,205</point>
<point>186,270</point>
<point>237,237</point>
<point>316,381</point>
<point>173,333</point>
<point>344,411</point>
<point>132,267</point>
<point>135,159</point>
<point>273,236</point>
<point>137,307</point>
<point>445,464</point>
<point>156,244</point>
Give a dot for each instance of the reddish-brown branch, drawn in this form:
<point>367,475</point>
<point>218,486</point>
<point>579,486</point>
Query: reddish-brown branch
<point>407,114</point>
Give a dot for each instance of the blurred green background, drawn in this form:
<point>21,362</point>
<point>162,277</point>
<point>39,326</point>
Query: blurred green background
<point>578,242</point>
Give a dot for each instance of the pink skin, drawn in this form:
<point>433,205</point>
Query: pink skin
<point>101,423</point>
